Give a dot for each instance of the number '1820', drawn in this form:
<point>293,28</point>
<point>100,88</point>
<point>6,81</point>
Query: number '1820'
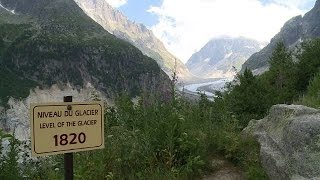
<point>72,138</point>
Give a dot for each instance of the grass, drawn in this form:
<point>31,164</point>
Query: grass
<point>156,140</point>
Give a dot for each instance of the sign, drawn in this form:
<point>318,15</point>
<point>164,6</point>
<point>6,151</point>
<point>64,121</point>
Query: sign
<point>58,128</point>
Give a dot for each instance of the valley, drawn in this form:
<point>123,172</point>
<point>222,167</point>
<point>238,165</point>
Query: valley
<point>238,107</point>
<point>208,88</point>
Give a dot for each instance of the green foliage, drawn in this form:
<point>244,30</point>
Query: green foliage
<point>247,99</point>
<point>15,163</point>
<point>42,167</point>
<point>56,42</point>
<point>250,97</point>
<point>174,139</point>
<point>309,64</point>
<point>159,140</point>
<point>223,131</point>
<point>151,139</point>
<point>281,76</point>
<point>312,97</point>
<point>9,161</point>
<point>3,136</point>
<point>12,85</point>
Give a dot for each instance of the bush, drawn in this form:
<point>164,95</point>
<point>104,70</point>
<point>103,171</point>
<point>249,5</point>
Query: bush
<point>9,159</point>
<point>170,139</point>
<point>312,97</point>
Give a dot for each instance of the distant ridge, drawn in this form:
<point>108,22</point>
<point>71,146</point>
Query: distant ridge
<point>222,57</point>
<point>137,34</point>
<point>294,31</point>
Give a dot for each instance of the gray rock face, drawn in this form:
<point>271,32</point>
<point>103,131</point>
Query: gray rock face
<point>119,25</point>
<point>220,56</point>
<point>290,142</point>
<point>294,31</point>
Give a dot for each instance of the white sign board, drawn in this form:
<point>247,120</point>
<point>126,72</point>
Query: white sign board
<point>58,128</point>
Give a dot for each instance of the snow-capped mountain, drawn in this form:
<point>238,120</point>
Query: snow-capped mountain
<point>11,11</point>
<point>222,57</point>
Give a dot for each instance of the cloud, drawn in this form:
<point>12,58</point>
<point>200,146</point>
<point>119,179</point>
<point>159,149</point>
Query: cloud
<point>301,4</point>
<point>185,26</point>
<point>117,3</point>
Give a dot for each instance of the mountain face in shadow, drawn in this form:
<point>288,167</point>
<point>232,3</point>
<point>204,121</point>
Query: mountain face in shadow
<point>137,34</point>
<point>294,31</point>
<point>45,42</point>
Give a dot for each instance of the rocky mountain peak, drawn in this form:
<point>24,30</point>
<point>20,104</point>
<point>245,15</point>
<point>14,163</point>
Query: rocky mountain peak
<point>317,5</point>
<point>297,20</point>
<point>290,32</point>
<point>294,31</point>
<point>137,34</point>
<point>222,57</point>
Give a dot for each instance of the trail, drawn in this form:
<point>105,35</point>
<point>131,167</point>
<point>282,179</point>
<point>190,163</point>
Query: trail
<point>224,170</point>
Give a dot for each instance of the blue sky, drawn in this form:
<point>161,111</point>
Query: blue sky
<point>137,10</point>
<point>185,26</point>
<point>301,4</point>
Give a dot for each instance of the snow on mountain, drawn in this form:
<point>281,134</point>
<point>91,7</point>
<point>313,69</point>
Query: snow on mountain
<point>222,57</point>
<point>11,11</point>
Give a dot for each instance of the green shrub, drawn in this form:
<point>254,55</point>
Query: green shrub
<point>9,161</point>
<point>157,140</point>
<point>312,96</point>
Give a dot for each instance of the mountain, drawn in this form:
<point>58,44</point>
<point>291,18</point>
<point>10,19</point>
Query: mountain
<point>294,31</point>
<point>220,56</point>
<point>137,34</point>
<point>46,42</point>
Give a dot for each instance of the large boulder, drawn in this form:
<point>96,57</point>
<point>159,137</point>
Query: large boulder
<point>290,142</point>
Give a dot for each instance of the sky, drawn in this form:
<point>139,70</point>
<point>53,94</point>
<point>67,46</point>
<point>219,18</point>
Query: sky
<point>185,26</point>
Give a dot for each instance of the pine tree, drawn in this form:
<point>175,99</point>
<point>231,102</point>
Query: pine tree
<point>312,96</point>
<point>309,64</point>
<point>282,75</point>
<point>247,98</point>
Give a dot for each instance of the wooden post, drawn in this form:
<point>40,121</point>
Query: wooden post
<point>68,157</point>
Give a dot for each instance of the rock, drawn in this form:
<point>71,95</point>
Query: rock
<point>290,142</point>
<point>137,34</point>
<point>222,57</point>
<point>15,120</point>
<point>295,31</point>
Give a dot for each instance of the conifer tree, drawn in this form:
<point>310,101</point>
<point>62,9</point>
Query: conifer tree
<point>309,64</point>
<point>247,98</point>
<point>282,75</point>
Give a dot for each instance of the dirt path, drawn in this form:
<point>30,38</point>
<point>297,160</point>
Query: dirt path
<point>224,170</point>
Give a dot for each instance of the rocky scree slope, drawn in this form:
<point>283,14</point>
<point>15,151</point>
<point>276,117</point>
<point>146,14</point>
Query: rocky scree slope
<point>46,42</point>
<point>296,30</point>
